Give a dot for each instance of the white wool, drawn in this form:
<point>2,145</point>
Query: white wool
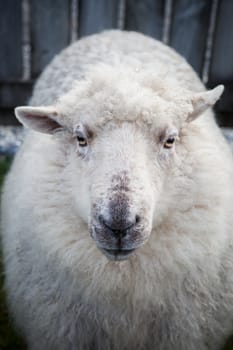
<point>176,290</point>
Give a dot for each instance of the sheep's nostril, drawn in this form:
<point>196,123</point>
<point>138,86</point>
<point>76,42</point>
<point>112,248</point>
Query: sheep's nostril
<point>120,226</point>
<point>137,219</point>
<point>101,220</point>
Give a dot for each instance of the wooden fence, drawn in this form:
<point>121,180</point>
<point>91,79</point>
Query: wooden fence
<point>33,31</point>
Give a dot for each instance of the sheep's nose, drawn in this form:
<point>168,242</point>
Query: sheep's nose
<point>120,227</point>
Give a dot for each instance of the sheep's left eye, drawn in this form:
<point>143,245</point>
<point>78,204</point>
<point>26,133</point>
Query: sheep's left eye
<point>169,142</point>
<point>82,141</point>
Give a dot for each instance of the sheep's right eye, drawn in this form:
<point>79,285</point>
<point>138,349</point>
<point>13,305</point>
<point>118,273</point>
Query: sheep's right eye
<point>82,141</point>
<point>169,142</point>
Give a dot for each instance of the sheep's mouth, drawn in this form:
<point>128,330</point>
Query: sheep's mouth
<point>117,254</point>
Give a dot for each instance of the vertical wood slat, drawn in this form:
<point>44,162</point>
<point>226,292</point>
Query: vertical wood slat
<point>74,20</point>
<point>221,63</point>
<point>121,14</point>
<point>221,69</point>
<point>26,40</point>
<point>209,41</point>
<point>10,40</point>
<point>167,21</point>
<point>145,16</point>
<point>50,25</point>
<point>189,30</point>
<point>96,16</point>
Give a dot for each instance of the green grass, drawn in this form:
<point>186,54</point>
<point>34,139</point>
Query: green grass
<point>9,339</point>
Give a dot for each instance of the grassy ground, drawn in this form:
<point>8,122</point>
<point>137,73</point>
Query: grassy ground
<point>9,340</point>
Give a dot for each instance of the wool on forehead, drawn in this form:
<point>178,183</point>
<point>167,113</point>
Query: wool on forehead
<point>124,93</point>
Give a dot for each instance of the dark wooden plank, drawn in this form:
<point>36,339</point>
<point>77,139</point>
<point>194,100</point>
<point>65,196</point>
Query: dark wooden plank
<point>14,94</point>
<point>50,31</point>
<point>221,69</point>
<point>95,16</point>
<point>7,117</point>
<point>222,58</point>
<point>146,16</point>
<point>10,39</point>
<point>225,104</point>
<point>225,119</point>
<point>189,30</point>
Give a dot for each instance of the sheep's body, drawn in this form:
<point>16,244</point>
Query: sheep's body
<point>177,291</point>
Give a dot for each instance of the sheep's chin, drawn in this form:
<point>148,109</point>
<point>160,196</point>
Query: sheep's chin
<point>117,255</point>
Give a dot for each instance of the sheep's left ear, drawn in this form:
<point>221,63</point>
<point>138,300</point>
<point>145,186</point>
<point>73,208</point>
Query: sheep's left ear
<point>42,119</point>
<point>204,100</point>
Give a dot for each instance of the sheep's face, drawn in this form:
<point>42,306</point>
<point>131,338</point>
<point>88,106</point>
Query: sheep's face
<point>126,166</point>
<point>122,145</point>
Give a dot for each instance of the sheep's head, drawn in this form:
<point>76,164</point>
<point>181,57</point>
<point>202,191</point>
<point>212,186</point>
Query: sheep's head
<point>120,142</point>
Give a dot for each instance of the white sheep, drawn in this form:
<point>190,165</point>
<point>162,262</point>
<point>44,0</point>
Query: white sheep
<point>117,212</point>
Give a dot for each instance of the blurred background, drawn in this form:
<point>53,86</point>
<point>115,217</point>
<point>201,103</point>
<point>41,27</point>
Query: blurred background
<point>33,31</point>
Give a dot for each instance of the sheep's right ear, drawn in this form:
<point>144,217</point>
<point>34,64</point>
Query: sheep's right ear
<point>42,119</point>
<point>204,100</point>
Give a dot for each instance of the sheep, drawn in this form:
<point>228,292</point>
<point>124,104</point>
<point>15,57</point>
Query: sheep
<point>117,211</point>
